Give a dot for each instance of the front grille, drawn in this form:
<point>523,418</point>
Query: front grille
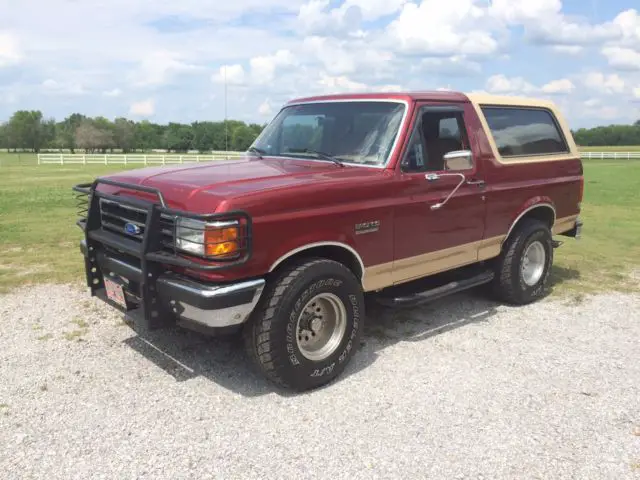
<point>116,216</point>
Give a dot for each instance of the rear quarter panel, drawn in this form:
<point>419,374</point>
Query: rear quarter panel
<point>516,184</point>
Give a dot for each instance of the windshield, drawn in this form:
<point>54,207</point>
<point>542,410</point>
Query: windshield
<point>361,132</point>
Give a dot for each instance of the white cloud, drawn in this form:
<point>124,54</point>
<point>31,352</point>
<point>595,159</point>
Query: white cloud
<point>116,92</point>
<point>387,88</point>
<point>568,49</point>
<point>265,109</point>
<point>231,74</point>
<point>160,67</point>
<point>263,69</point>
<point>500,84</point>
<point>144,108</point>
<point>608,84</point>
<point>562,86</point>
<point>339,84</point>
<point>503,85</point>
<point>374,9</point>
<point>592,102</point>
<point>545,23</point>
<point>628,23</point>
<point>523,11</point>
<point>55,87</point>
<point>636,92</point>
<point>434,27</point>
<point>313,18</point>
<point>10,52</point>
<point>622,58</point>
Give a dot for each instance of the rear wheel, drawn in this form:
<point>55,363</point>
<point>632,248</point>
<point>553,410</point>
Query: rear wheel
<point>308,324</point>
<point>523,268</point>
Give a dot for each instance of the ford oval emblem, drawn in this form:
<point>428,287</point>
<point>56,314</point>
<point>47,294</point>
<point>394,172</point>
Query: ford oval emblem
<point>132,229</point>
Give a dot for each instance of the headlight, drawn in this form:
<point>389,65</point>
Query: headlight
<point>212,240</point>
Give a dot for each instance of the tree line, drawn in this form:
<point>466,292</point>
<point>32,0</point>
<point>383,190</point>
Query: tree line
<point>29,130</point>
<point>611,135</point>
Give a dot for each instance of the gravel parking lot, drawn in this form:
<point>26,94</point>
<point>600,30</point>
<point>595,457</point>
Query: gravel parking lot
<point>461,388</point>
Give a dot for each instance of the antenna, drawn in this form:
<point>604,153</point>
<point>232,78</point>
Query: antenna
<point>226,134</point>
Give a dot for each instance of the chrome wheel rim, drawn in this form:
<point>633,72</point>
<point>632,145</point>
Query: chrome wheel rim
<point>321,326</point>
<point>533,262</point>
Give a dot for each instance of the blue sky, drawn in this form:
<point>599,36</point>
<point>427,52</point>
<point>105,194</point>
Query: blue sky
<point>164,60</point>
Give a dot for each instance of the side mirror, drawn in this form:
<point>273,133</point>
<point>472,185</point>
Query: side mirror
<point>458,160</point>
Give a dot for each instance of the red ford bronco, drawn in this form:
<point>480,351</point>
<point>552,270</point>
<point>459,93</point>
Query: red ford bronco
<point>406,197</point>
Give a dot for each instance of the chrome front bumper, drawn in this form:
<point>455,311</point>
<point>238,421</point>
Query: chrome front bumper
<point>188,301</point>
<point>212,306</point>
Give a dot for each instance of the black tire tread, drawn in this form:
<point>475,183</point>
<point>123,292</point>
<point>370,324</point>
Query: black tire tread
<point>504,286</point>
<point>257,335</point>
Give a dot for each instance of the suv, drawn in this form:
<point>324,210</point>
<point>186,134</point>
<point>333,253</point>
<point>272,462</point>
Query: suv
<point>339,197</point>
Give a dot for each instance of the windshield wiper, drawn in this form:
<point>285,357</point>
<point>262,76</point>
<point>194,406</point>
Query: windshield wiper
<point>324,156</point>
<point>257,151</point>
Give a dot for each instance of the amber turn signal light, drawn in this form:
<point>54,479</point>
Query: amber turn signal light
<point>221,242</point>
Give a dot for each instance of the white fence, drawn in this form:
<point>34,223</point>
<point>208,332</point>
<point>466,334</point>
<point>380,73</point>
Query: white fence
<point>169,159</point>
<point>611,155</point>
<point>131,159</point>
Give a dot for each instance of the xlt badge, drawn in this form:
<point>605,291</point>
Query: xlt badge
<point>367,227</point>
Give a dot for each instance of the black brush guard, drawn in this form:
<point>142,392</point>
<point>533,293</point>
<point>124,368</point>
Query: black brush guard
<point>142,263</point>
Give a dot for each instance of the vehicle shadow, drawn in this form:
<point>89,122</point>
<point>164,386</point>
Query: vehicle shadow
<point>185,355</point>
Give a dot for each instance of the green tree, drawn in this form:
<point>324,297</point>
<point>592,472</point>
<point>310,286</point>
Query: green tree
<point>124,134</point>
<point>26,130</point>
<point>242,138</point>
<point>94,135</point>
<point>29,130</point>
<point>67,131</point>
<point>49,133</point>
<point>4,135</point>
<point>204,135</point>
<point>178,137</point>
<point>148,135</point>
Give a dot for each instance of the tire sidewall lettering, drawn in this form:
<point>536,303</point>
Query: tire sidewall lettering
<point>351,303</point>
<point>538,289</point>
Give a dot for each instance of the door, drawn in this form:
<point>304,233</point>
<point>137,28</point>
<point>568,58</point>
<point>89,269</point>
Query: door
<point>440,214</point>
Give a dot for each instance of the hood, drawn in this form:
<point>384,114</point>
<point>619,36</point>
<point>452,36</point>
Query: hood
<point>209,187</point>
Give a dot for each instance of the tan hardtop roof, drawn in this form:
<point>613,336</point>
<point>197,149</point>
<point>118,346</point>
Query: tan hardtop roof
<point>437,95</point>
<point>489,99</point>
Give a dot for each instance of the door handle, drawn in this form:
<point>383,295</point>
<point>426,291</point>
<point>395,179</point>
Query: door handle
<point>479,183</point>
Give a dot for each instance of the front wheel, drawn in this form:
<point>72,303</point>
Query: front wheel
<point>308,324</point>
<point>523,268</point>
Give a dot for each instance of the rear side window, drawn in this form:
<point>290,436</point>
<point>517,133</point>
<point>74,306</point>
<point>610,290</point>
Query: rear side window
<point>525,131</point>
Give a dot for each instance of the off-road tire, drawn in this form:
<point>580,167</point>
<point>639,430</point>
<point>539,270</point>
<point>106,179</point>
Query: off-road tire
<point>270,333</point>
<point>508,285</point>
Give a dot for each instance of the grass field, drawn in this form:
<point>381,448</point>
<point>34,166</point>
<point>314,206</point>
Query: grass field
<point>631,148</point>
<point>39,238</point>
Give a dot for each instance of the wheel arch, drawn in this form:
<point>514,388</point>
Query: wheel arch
<point>337,251</point>
<point>543,211</point>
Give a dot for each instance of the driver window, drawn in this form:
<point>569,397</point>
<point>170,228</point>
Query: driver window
<point>435,134</point>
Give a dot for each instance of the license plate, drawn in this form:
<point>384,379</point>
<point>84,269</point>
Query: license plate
<point>115,293</point>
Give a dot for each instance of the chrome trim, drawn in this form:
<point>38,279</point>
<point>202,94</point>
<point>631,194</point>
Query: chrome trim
<point>309,246</point>
<point>230,223</point>
<point>394,148</point>
<point>212,291</point>
<point>436,176</point>
<point>537,205</point>
<point>222,317</point>
<point>455,154</point>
